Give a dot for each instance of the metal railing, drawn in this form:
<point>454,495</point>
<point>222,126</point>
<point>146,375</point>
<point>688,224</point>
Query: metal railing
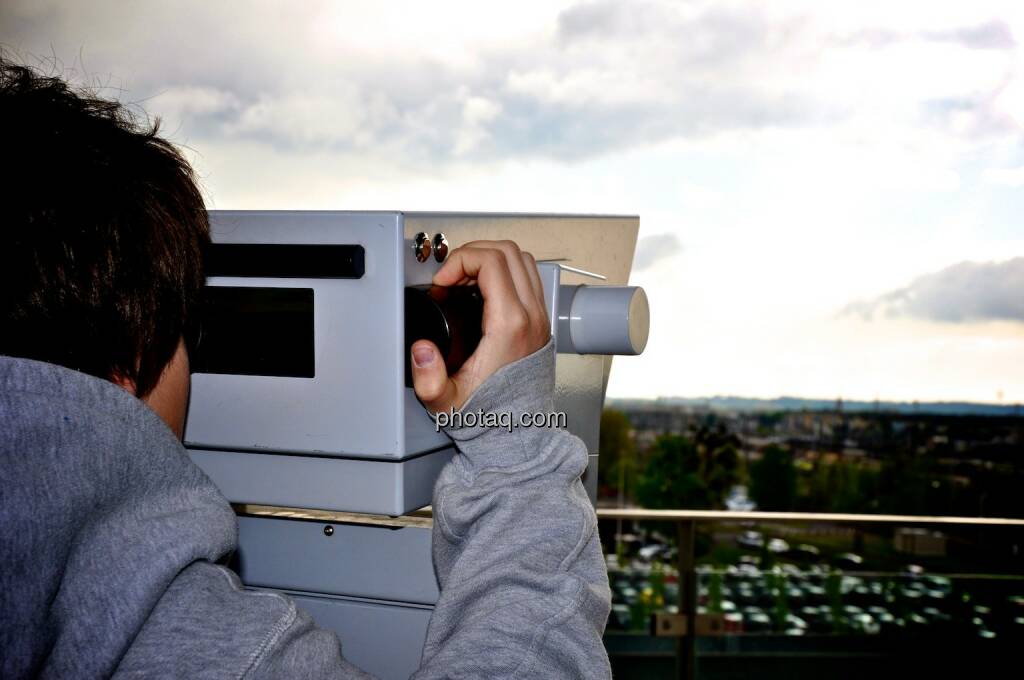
<point>423,518</point>
<point>686,522</point>
<point>839,518</point>
<point>686,528</point>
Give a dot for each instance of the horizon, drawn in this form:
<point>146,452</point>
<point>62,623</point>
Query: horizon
<point>823,400</point>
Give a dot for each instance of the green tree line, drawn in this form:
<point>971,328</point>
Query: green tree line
<point>697,469</point>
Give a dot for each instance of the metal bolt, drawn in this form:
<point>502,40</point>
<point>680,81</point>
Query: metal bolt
<point>440,247</point>
<point>328,530</point>
<point>421,246</point>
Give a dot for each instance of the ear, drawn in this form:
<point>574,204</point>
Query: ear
<point>125,382</point>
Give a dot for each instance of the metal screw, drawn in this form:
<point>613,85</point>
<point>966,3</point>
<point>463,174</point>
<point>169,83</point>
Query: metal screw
<point>328,530</point>
<point>440,247</point>
<point>421,246</point>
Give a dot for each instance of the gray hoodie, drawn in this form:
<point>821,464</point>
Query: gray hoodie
<point>111,542</point>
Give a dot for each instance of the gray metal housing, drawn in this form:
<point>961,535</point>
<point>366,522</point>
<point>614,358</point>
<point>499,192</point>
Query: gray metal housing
<point>354,438</point>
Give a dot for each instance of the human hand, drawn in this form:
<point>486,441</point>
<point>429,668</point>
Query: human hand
<point>515,321</point>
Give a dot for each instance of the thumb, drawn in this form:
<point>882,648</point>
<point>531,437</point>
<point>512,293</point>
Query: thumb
<point>430,377</point>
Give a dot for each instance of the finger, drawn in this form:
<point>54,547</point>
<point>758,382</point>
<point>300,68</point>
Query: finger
<point>516,267</point>
<point>535,280</point>
<point>542,331</point>
<point>520,277</point>
<point>430,377</point>
<point>489,268</point>
<point>537,326</point>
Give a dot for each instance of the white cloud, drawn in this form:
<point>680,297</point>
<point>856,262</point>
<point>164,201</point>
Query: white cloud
<point>653,249</point>
<point>344,117</point>
<point>1010,177</point>
<point>477,113</point>
<point>187,100</point>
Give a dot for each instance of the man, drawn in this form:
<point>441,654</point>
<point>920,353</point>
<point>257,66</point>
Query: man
<point>112,539</point>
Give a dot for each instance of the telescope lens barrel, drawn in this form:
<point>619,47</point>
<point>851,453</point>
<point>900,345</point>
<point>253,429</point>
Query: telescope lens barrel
<point>591,320</point>
<point>450,317</point>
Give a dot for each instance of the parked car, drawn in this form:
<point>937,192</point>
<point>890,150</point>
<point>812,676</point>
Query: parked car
<point>849,561</point>
<point>649,552</point>
<point>755,620</point>
<point>620,617</point>
<point>803,551</point>
<point>751,539</point>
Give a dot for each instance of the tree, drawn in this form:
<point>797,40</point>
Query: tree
<point>671,477</point>
<point>618,459</point>
<point>721,466</point>
<point>722,471</point>
<point>773,480</point>
<point>840,486</point>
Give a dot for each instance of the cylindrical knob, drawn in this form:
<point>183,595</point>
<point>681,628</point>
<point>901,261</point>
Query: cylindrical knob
<point>421,246</point>
<point>603,319</point>
<point>440,247</point>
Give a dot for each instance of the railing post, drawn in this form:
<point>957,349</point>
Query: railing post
<point>686,646</point>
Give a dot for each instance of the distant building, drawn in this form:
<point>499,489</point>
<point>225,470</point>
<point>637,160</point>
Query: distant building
<point>920,542</point>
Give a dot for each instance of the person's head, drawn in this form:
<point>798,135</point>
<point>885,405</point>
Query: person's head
<point>101,240</point>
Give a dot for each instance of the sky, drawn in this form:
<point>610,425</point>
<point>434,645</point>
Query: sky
<point>830,193</point>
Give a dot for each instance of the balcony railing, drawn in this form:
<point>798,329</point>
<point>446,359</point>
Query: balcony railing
<point>422,518</point>
<point>682,624</point>
<point>686,625</point>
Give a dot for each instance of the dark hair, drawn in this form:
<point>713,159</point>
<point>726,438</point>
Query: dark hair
<point>103,230</point>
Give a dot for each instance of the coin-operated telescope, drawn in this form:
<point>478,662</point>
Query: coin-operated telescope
<point>301,397</point>
<point>302,410</point>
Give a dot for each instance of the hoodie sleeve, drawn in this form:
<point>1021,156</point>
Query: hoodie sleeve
<point>524,590</point>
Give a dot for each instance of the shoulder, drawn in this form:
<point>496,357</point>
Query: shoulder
<point>206,625</point>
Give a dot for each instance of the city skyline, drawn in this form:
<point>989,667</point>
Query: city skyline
<point>740,404</point>
<point>829,196</point>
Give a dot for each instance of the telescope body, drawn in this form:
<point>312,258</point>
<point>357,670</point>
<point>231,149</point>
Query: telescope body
<point>301,397</point>
<point>301,405</point>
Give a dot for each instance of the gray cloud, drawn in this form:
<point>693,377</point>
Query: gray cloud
<point>973,116</point>
<point>991,35</point>
<point>652,249</point>
<point>605,18</point>
<point>970,115</point>
<point>614,76</point>
<point>964,292</point>
<point>216,74</point>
